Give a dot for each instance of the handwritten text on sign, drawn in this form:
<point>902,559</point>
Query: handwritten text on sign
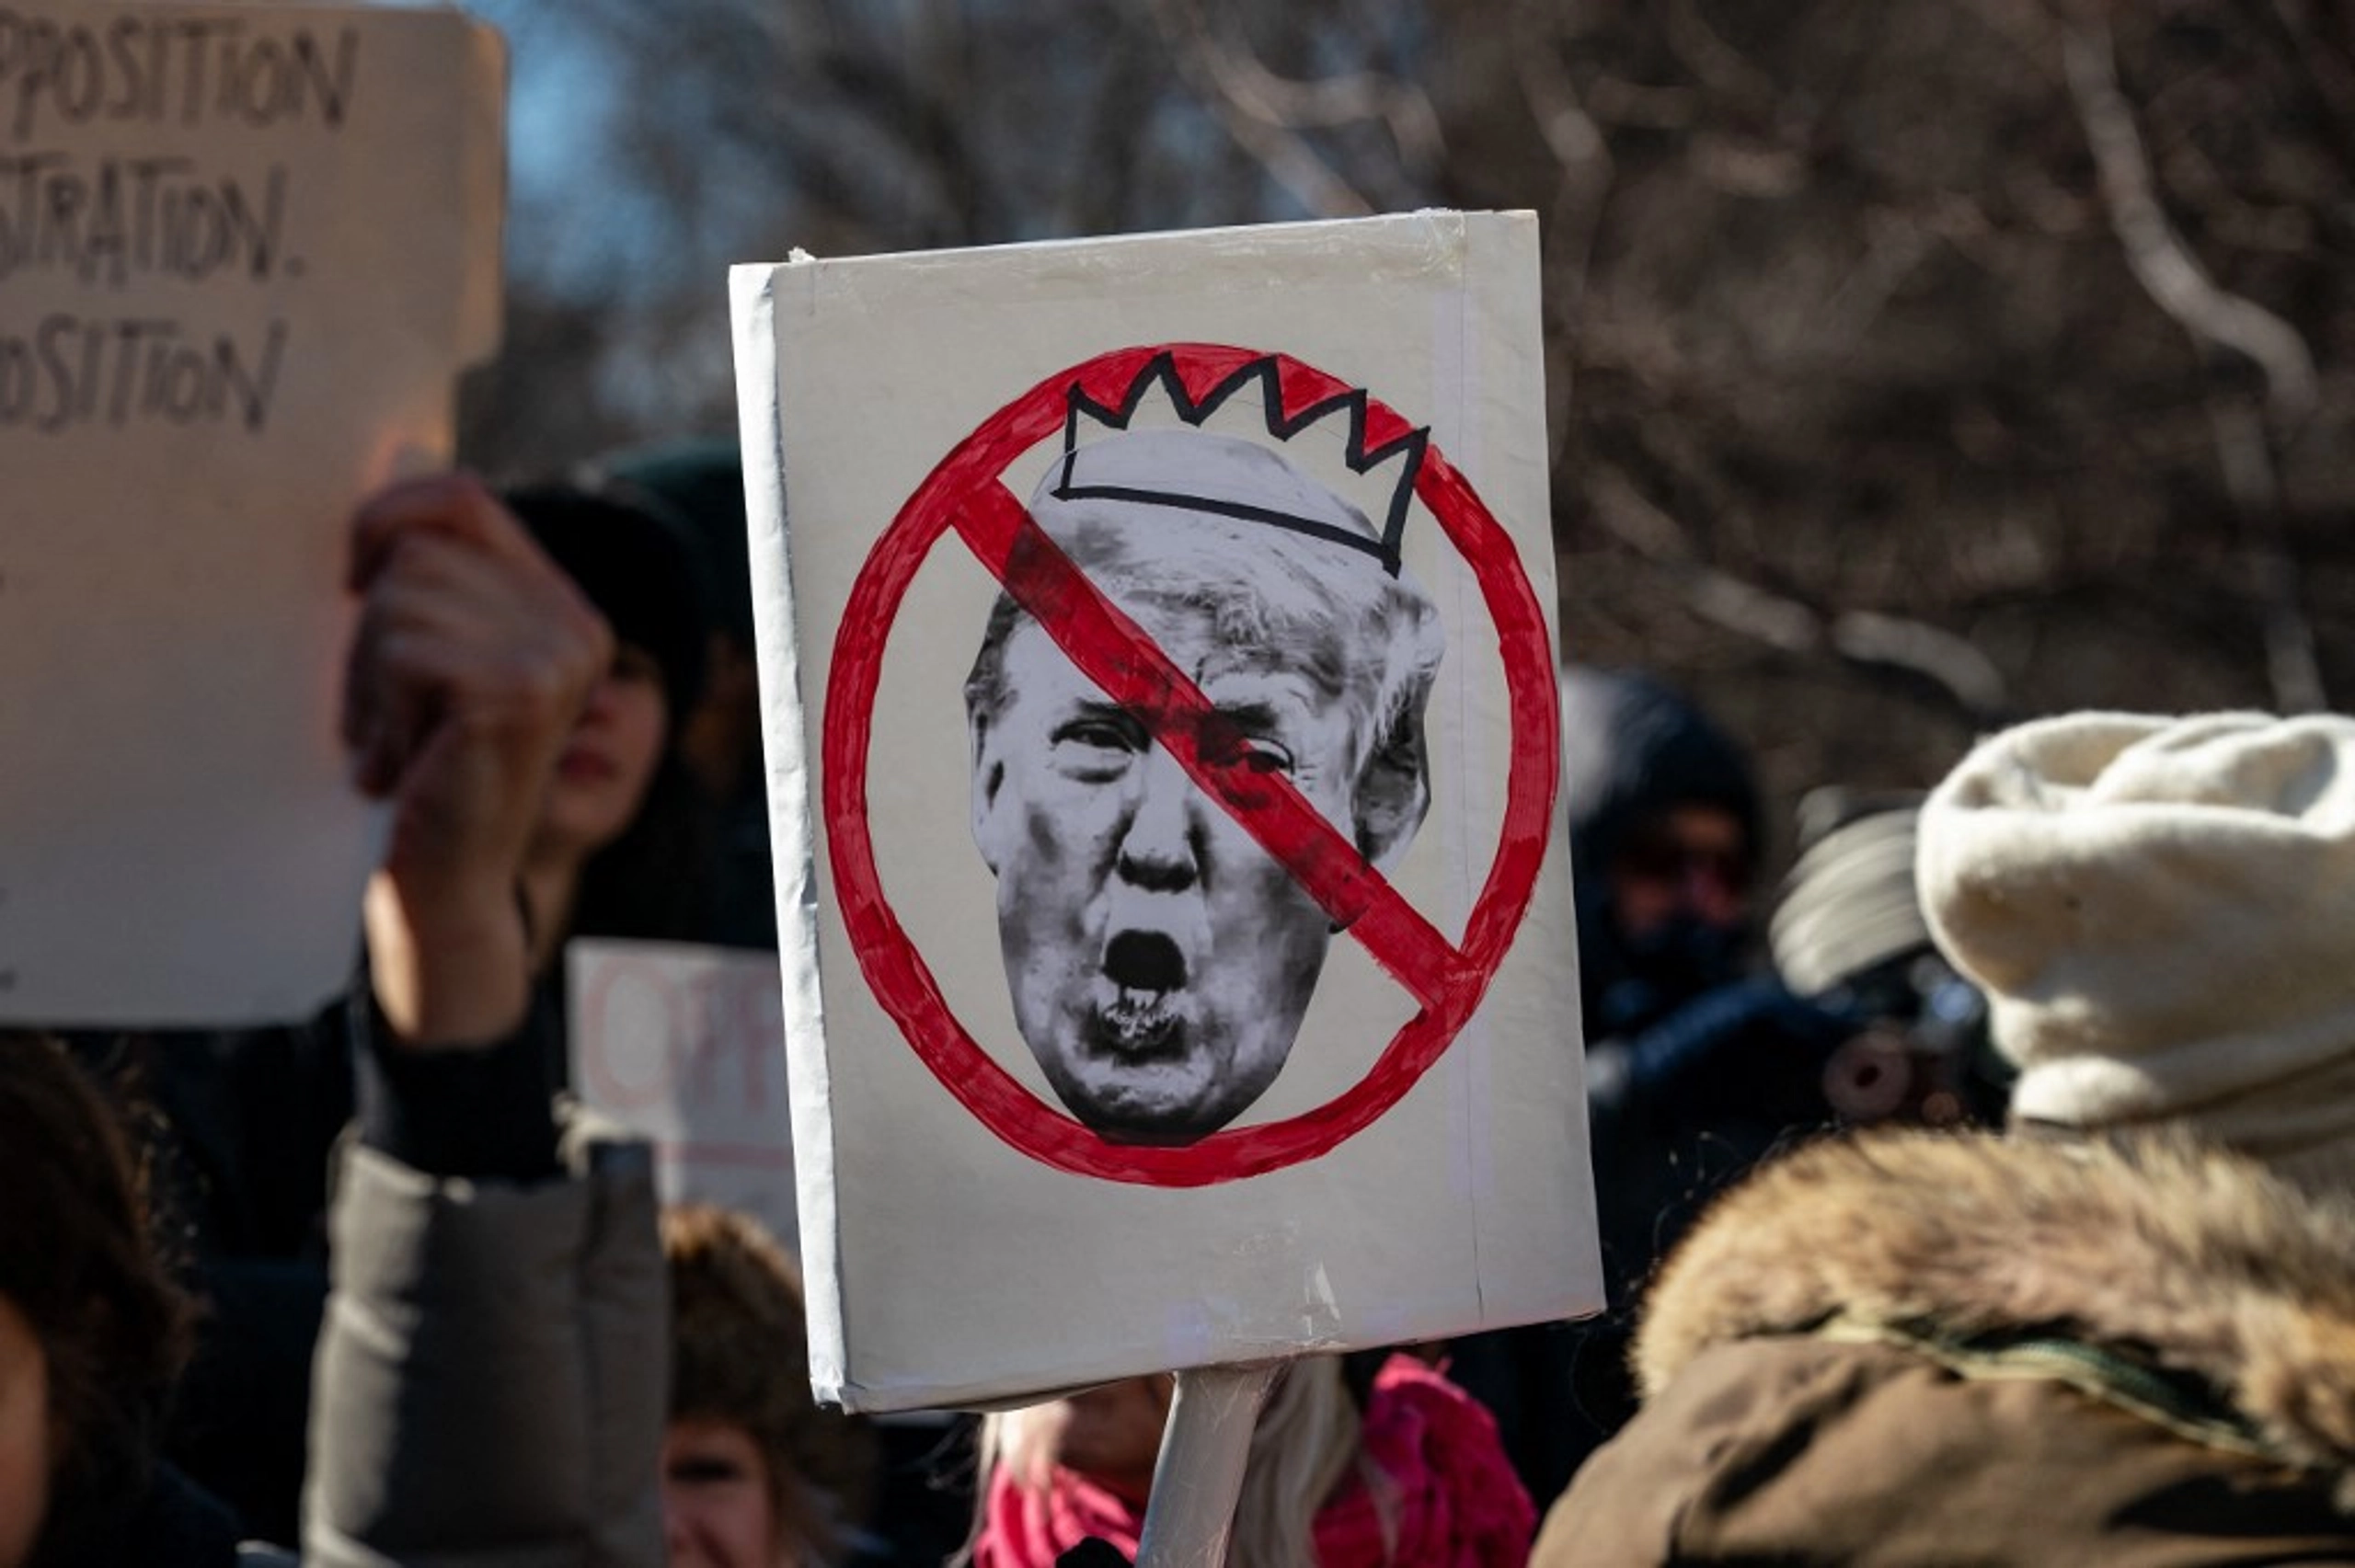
<point>685,1045</point>
<point>245,251</point>
<point>78,203</point>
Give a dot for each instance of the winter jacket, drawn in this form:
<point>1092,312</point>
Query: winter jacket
<point>1912,1348</point>
<point>484,1398</point>
<point>486,1395</point>
<point>1448,1498</point>
<point>1691,1073</point>
<point>250,1131</point>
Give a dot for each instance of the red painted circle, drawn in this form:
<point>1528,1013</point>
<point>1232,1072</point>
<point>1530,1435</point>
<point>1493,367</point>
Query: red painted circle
<point>1452,988</point>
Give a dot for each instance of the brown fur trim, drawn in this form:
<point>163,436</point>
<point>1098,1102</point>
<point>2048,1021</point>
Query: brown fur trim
<point>2195,1258</point>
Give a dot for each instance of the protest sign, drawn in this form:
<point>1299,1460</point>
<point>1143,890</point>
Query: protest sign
<point>684,1044</point>
<point>1164,768</point>
<point>244,252</point>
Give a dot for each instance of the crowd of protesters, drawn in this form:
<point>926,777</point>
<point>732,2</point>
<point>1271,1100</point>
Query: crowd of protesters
<point>1979,1197</point>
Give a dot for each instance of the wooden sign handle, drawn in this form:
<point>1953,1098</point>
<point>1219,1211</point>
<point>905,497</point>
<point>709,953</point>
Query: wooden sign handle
<point>1199,1474</point>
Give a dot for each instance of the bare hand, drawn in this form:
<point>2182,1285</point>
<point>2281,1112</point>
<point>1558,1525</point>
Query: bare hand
<point>474,658</point>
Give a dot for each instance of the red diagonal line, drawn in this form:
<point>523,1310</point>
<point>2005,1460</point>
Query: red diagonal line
<point>1114,652</point>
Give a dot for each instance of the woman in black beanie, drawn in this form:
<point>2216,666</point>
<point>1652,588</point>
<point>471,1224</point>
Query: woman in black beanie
<point>617,849</point>
<point>623,849</point>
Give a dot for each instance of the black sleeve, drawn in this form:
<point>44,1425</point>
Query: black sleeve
<point>1093,1553</point>
<point>479,1112</point>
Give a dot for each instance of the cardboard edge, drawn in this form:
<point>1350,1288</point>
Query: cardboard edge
<point>792,801</point>
<point>1507,246</point>
<point>484,181</point>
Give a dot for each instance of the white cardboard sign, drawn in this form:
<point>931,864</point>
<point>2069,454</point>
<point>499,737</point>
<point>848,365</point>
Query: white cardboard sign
<point>684,1044</point>
<point>244,252</point>
<point>1159,680</point>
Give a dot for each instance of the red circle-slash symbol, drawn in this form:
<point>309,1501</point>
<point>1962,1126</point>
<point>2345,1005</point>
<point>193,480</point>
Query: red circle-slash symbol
<point>966,493</point>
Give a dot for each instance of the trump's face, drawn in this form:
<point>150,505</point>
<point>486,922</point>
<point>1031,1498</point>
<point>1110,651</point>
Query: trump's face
<point>1160,961</point>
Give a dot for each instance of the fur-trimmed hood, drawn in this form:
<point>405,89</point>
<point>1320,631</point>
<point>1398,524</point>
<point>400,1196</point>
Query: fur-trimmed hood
<point>2195,1261</point>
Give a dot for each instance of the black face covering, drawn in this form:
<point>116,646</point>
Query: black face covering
<point>1661,971</point>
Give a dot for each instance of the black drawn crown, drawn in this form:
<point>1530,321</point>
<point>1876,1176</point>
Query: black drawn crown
<point>1374,484</point>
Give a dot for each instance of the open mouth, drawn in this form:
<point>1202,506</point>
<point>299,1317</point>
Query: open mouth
<point>1136,1012</point>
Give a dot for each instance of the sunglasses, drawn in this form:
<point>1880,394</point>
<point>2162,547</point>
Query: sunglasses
<point>1662,858</point>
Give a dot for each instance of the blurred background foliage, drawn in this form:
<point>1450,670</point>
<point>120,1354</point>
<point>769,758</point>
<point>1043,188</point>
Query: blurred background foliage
<point>1914,364</point>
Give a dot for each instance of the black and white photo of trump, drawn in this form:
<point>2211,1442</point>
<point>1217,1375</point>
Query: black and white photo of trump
<point>1159,960</point>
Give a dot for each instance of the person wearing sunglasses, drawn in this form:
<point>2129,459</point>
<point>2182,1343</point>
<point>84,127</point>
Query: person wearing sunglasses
<point>1697,1059</point>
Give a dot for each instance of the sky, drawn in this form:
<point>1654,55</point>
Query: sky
<point>570,231</point>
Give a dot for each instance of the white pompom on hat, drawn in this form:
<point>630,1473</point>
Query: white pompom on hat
<point>2162,913</point>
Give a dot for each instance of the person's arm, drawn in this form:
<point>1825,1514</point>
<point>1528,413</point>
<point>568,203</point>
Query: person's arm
<point>483,1390</point>
<point>491,1381</point>
<point>475,655</point>
<point>474,658</point>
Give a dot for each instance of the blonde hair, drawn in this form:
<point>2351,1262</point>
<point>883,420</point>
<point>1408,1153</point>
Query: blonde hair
<point>1306,1446</point>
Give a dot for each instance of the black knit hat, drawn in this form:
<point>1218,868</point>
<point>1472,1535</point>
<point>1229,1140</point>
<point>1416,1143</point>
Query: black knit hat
<point>637,566</point>
<point>1636,747</point>
<point>701,483</point>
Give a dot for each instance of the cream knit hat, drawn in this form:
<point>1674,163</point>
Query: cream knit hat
<point>2162,913</point>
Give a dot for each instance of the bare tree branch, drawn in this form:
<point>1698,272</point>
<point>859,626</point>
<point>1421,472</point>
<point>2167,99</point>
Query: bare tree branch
<point>2244,448</point>
<point>1327,101</point>
<point>2162,263</point>
<point>1569,131</point>
<point>1580,197</point>
<point>1862,636</point>
<point>1617,101</point>
<point>2214,319</point>
<point>1286,155</point>
<point>1717,63</point>
<point>1953,662</point>
<point>1102,177</point>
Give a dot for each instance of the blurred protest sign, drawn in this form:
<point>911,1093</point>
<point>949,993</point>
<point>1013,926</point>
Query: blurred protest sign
<point>684,1044</point>
<point>1165,757</point>
<point>244,253</point>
